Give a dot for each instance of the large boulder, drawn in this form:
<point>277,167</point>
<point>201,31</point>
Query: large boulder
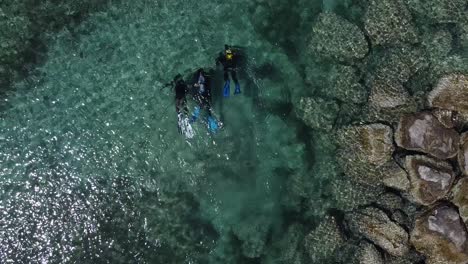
<point>463,153</point>
<point>335,37</point>
<point>317,113</point>
<point>376,226</point>
<point>389,22</point>
<point>460,198</point>
<point>441,236</point>
<point>368,254</point>
<point>323,241</point>
<point>389,100</point>
<point>441,11</point>
<point>430,179</point>
<point>349,195</point>
<point>423,132</point>
<point>451,93</point>
<point>365,154</point>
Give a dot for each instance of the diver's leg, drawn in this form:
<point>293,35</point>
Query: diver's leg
<point>227,85</point>
<point>234,77</point>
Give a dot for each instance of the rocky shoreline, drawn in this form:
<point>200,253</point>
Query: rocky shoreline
<point>402,197</point>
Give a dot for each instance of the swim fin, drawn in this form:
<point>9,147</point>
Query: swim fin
<point>184,126</point>
<point>195,115</point>
<point>212,124</point>
<point>227,88</point>
<point>237,90</point>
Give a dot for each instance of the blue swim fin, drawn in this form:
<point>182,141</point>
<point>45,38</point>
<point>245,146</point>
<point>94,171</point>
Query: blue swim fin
<point>227,88</point>
<point>212,124</point>
<point>237,91</point>
<point>195,115</point>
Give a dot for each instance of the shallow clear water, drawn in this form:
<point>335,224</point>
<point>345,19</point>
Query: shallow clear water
<point>94,171</point>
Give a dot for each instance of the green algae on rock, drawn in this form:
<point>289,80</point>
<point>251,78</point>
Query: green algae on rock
<point>451,93</point>
<point>317,113</point>
<point>336,38</point>
<point>389,22</point>
<point>460,198</point>
<point>376,226</point>
<point>324,240</point>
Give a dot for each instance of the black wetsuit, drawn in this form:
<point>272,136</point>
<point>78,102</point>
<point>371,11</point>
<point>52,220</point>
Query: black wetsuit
<point>180,92</point>
<point>229,66</point>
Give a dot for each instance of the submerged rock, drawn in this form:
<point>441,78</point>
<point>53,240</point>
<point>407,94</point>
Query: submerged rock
<point>317,113</point>
<point>463,153</point>
<point>389,22</point>
<point>322,242</point>
<point>388,101</point>
<point>349,195</point>
<point>376,226</point>
<point>423,132</point>
<point>460,198</point>
<point>368,254</point>
<point>365,154</point>
<point>430,179</point>
<point>335,37</point>
<point>340,82</point>
<point>441,236</point>
<point>451,93</point>
<point>442,11</point>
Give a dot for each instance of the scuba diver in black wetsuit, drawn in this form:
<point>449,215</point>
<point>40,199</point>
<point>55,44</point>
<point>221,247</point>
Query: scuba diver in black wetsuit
<point>181,89</point>
<point>229,59</point>
<point>202,95</point>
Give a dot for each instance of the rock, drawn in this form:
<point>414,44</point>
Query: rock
<point>430,179</point>
<point>395,177</point>
<point>376,226</point>
<point>437,44</point>
<point>252,233</point>
<point>389,100</point>
<point>349,195</point>
<point>451,93</point>
<point>322,242</point>
<point>446,117</point>
<point>287,249</point>
<point>390,202</point>
<point>423,132</point>
<point>463,153</point>
<point>370,143</point>
<point>365,153</point>
<point>317,113</point>
<point>368,254</point>
<point>441,236</point>
<point>442,11</point>
<point>388,95</point>
<point>335,37</point>
<point>460,198</point>
<point>340,82</point>
<point>389,22</point>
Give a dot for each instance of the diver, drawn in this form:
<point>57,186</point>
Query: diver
<point>183,122</point>
<point>229,59</point>
<point>202,95</point>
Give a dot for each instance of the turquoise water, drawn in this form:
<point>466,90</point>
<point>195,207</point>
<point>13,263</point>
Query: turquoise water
<point>94,171</point>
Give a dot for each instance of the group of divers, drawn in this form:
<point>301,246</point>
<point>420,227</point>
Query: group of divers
<point>200,89</point>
